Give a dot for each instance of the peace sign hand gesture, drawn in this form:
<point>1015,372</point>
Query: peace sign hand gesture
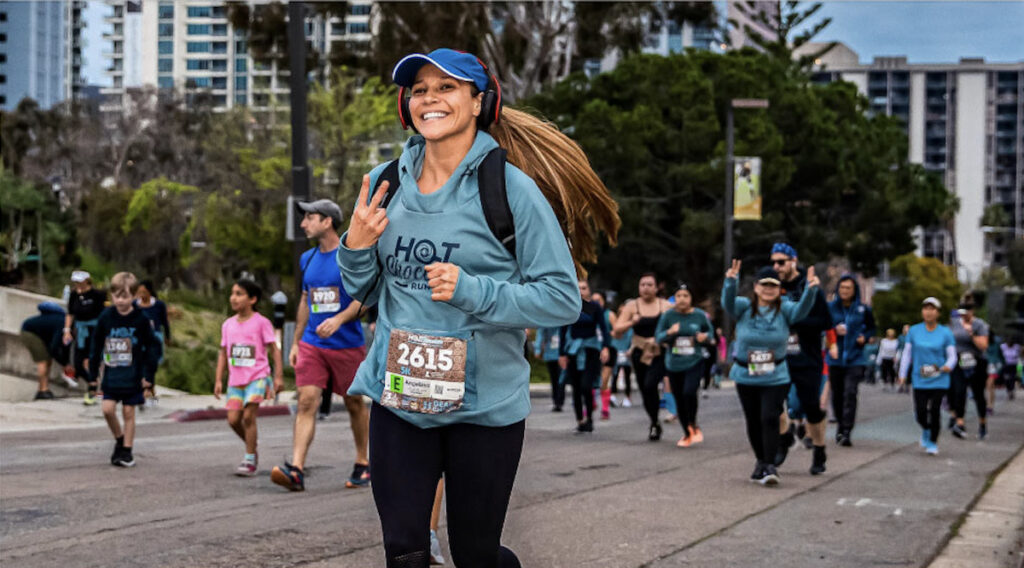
<point>368,219</point>
<point>734,271</point>
<point>812,278</point>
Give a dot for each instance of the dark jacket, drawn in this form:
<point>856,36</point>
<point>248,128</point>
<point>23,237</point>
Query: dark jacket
<point>810,328</point>
<point>859,320</point>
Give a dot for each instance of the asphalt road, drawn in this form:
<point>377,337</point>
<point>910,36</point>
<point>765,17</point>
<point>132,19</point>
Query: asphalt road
<point>605,499</point>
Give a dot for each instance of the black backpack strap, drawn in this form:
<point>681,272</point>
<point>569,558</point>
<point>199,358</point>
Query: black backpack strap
<point>494,199</point>
<point>390,175</point>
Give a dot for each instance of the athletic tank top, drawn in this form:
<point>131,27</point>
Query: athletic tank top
<point>647,325</point>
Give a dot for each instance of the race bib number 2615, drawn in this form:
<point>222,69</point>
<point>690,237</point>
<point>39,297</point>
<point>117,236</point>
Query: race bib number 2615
<point>425,373</point>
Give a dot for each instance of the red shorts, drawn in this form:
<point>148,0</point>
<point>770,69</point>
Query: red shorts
<point>316,365</point>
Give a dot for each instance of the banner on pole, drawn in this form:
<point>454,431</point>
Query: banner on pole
<point>747,188</point>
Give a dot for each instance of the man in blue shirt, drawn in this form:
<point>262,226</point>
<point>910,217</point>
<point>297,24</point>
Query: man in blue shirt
<point>327,349</point>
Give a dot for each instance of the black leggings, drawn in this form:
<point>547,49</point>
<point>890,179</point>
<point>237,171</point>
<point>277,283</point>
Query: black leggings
<point>627,382</point>
<point>807,381</point>
<point>649,377</point>
<point>557,388</point>
<point>927,404</point>
<point>844,382</point>
<point>479,464</point>
<point>958,385</point>
<point>762,407</point>
<point>889,371</point>
<point>80,356</point>
<point>582,382</point>
<point>684,387</point>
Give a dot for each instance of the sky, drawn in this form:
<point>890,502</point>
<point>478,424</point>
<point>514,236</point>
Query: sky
<point>924,31</point>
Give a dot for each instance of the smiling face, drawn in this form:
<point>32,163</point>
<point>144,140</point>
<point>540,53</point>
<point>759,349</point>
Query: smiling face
<point>767,293</point>
<point>442,107</point>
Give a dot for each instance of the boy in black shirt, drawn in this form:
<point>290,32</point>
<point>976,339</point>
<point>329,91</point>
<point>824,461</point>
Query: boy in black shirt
<point>124,351</point>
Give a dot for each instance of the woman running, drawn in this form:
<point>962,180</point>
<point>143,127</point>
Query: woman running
<point>928,356</point>
<point>446,371</point>
<point>584,348</point>
<point>641,315</point>
<point>888,351</point>
<point>760,372</point>
<point>971,371</point>
<point>684,330</point>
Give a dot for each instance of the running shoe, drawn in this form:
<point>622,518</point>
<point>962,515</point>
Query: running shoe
<point>982,431</point>
<point>654,434</point>
<point>818,464</point>
<point>585,426</point>
<point>605,415</point>
<point>758,471</point>
<point>556,409</point>
<point>124,458</point>
<point>89,399</point>
<point>360,476</point>
<point>69,377</point>
<point>288,476</point>
<point>931,448</point>
<point>925,436</point>
<point>843,439</point>
<point>685,442</point>
<point>614,402</point>
<point>670,419</point>
<point>808,443</point>
<point>246,468</point>
<point>118,449</point>
<point>44,395</point>
<point>696,434</point>
<point>769,476</point>
<point>626,403</point>
<point>436,557</point>
<point>958,431</point>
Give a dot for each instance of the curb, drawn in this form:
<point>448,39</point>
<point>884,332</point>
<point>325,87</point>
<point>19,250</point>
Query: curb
<point>222,413</point>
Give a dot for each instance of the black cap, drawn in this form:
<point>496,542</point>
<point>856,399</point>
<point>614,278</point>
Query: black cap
<point>767,275</point>
<point>324,207</point>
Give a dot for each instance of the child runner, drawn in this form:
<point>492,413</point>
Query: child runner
<point>156,312</point>
<point>245,340</point>
<point>931,350</point>
<point>124,352</point>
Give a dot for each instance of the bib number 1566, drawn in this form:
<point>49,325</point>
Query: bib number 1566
<point>421,357</point>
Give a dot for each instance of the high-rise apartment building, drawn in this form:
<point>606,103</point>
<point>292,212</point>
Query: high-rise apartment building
<point>32,52</point>
<point>190,46</point>
<point>746,16</point>
<point>964,121</point>
<point>670,37</point>
<point>73,60</point>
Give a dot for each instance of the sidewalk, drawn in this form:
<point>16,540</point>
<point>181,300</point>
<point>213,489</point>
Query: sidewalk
<point>992,533</point>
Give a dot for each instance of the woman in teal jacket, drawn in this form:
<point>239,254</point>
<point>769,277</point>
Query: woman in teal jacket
<point>446,372</point>
<point>759,350</point>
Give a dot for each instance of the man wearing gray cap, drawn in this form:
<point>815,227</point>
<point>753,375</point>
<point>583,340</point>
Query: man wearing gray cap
<point>327,349</point>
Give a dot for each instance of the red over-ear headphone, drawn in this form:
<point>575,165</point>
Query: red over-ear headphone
<point>490,104</point>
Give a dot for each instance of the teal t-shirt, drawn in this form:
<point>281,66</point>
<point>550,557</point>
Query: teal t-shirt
<point>684,351</point>
<point>928,355</point>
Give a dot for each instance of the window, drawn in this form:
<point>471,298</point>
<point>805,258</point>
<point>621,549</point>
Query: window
<point>165,47</point>
<point>165,30</point>
<point>3,79</point>
<point>197,64</point>
<point>3,100</point>
<point>218,12</point>
<point>200,82</point>
<point>198,47</point>
<point>198,29</point>
<point>165,82</point>
<point>241,66</point>
<point>3,16</point>
<point>241,46</point>
<point>3,38</point>
<point>219,47</point>
<point>3,58</point>
<point>359,9</point>
<point>240,99</point>
<point>219,30</point>
<point>220,100</point>
<point>241,83</point>
<point>165,65</point>
<point>354,28</point>
<point>220,82</point>
<point>166,11</point>
<point>219,65</point>
<point>199,11</point>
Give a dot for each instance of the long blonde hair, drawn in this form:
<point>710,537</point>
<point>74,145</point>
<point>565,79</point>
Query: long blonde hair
<point>558,165</point>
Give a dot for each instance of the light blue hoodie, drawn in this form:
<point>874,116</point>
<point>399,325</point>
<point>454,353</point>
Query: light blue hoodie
<point>496,296</point>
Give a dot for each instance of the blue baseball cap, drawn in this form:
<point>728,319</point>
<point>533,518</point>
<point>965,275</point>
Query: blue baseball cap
<point>457,64</point>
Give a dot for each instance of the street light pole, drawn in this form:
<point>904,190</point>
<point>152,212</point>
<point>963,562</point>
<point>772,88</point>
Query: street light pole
<point>300,150</point>
<point>728,252</point>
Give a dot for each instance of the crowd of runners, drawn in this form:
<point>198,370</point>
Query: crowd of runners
<point>454,260</point>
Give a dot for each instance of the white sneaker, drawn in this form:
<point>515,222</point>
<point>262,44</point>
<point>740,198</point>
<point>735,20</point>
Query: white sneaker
<point>69,380</point>
<point>436,557</point>
<point>626,403</point>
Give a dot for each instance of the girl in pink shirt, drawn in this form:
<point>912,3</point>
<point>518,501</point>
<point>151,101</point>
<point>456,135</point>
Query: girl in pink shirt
<point>246,339</point>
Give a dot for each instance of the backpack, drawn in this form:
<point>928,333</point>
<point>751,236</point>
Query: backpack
<point>493,195</point>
